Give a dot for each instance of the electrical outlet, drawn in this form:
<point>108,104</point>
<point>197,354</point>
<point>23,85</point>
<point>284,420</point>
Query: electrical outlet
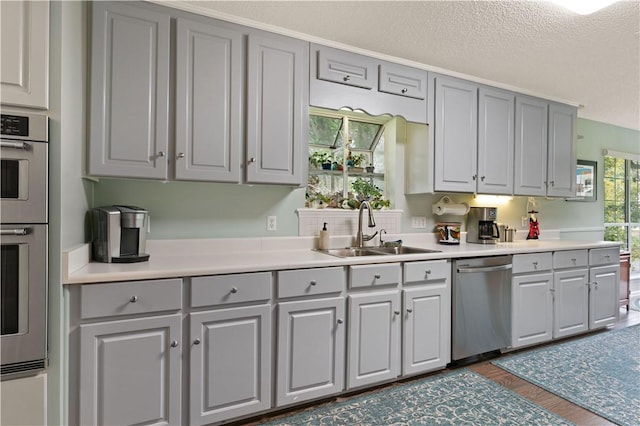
<point>524,221</point>
<point>272,223</point>
<point>418,221</point>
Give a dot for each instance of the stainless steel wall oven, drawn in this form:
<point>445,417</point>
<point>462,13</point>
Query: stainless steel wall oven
<point>23,242</point>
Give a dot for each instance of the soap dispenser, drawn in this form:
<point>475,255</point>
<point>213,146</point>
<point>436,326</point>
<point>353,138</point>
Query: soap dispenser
<point>323,243</point>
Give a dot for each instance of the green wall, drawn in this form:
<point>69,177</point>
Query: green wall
<point>207,210</point>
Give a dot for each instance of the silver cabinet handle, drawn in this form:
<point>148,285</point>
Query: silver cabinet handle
<point>15,145</point>
<point>161,154</point>
<point>196,341</point>
<point>174,344</point>
<point>409,310</point>
<point>404,90</point>
<point>535,265</point>
<point>252,160</point>
<point>574,260</point>
<point>340,320</point>
<point>427,272</point>
<point>234,289</point>
<point>312,282</point>
<point>16,231</point>
<point>553,182</point>
<point>346,78</point>
<point>376,276</point>
<point>396,312</point>
<point>482,178</point>
<point>181,155</point>
<point>595,284</point>
<point>474,177</point>
<point>133,299</point>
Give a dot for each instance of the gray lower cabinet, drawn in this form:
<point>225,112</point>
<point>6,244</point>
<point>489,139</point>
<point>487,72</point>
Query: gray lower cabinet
<point>127,339</point>
<point>229,346</point>
<point>277,109</point>
<point>209,107</point>
<point>532,303</point>
<point>604,279</point>
<point>130,371</point>
<point>311,334</point>
<point>571,308</point>
<point>375,320</point>
<point>230,363</point>
<point>456,135</point>
<point>129,117</point>
<point>426,331</point>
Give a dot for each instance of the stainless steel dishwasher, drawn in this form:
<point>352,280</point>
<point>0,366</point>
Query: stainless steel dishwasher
<point>481,311</point>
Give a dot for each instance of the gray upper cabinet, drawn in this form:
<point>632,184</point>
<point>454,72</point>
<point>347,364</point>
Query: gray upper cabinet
<point>495,141</point>
<point>346,68</point>
<point>341,79</point>
<point>562,156</point>
<point>456,135</point>
<point>209,78</point>
<point>531,147</point>
<point>277,109</point>
<point>129,91</point>
<point>403,81</point>
<point>24,70</point>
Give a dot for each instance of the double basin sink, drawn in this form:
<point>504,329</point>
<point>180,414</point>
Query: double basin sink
<point>375,251</point>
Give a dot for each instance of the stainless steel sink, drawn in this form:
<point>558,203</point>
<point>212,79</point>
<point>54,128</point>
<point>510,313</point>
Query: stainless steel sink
<point>375,251</point>
<point>352,252</point>
<point>403,250</point>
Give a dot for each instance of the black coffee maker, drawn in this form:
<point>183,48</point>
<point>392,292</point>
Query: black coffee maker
<point>119,234</point>
<point>481,225</point>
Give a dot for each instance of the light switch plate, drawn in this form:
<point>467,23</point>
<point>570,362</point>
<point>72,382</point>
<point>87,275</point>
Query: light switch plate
<point>418,221</point>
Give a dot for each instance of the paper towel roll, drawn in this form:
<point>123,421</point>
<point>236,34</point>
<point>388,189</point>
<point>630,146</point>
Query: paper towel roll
<point>446,206</point>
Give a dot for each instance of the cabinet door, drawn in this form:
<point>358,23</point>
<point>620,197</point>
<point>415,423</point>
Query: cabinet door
<point>24,74</point>
<point>456,135</point>
<point>277,109</point>
<point>374,331</point>
<point>129,91</point>
<point>495,142</point>
<point>130,372</point>
<point>531,147</point>
<point>346,68</point>
<point>532,309</point>
<point>571,302</point>
<point>427,328</point>
<point>230,366</point>
<point>562,157</point>
<point>603,297</point>
<point>209,79</point>
<point>310,349</point>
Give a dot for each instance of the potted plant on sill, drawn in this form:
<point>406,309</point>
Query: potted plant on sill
<point>320,159</point>
<point>355,161</point>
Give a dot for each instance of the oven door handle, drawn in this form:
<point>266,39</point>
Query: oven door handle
<point>16,231</point>
<point>15,145</point>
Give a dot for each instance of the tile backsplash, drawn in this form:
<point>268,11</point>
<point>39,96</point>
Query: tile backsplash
<point>345,222</point>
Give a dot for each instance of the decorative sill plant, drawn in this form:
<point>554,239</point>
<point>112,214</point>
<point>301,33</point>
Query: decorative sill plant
<point>320,159</point>
<point>362,190</point>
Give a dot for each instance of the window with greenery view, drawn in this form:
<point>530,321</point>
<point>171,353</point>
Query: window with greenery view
<point>345,171</point>
<point>622,205</point>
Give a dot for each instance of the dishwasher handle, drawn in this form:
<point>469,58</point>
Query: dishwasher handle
<point>485,269</point>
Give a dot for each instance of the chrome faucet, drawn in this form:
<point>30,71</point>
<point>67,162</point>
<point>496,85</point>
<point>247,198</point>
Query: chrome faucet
<point>360,236</point>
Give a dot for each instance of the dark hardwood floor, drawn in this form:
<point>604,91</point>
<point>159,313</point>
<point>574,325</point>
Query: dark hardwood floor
<point>539,396</point>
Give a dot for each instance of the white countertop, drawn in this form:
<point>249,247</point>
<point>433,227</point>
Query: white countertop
<point>185,258</point>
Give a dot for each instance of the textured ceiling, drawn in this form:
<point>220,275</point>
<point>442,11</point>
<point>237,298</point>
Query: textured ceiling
<point>592,60</point>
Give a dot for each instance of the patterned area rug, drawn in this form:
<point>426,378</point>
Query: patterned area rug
<point>458,398</point>
<point>600,373</point>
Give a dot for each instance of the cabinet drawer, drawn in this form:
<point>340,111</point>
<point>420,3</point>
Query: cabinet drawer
<point>403,81</point>
<point>604,256</point>
<point>533,262</point>
<point>346,68</point>
<point>226,289</point>
<point>570,259</point>
<point>374,275</point>
<point>133,297</point>
<point>306,282</point>
<point>419,272</point>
